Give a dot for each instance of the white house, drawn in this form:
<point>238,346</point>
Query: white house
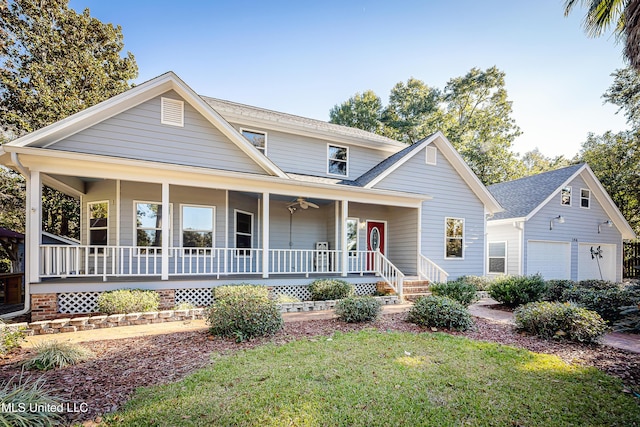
<point>180,193</point>
<point>561,224</point>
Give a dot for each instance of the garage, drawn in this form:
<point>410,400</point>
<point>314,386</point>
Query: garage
<point>597,261</point>
<point>550,259</point>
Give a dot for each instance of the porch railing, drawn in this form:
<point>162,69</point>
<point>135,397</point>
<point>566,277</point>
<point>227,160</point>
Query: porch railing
<point>103,261</point>
<point>389,273</point>
<point>431,271</point>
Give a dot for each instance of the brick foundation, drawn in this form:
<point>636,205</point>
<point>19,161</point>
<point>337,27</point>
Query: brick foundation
<point>43,306</point>
<point>167,299</point>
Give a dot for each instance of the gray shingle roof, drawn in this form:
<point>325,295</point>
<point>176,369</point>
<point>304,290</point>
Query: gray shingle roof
<point>521,196</point>
<point>375,171</point>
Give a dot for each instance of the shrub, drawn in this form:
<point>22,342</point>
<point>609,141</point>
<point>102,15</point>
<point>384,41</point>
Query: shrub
<point>184,305</point>
<point>328,289</point>
<point>240,291</point>
<point>463,292</point>
<point>630,319</point>
<point>35,399</point>
<point>243,313</point>
<point>596,284</point>
<point>57,354</point>
<point>358,309</point>
<point>560,320</point>
<point>5,265</point>
<point>10,337</point>
<point>128,301</point>
<point>440,312</point>
<point>481,283</point>
<point>607,302</point>
<point>284,298</point>
<point>517,290</point>
<point>555,289</point>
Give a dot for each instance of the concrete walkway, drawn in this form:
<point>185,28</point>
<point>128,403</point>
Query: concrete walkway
<point>629,342</point>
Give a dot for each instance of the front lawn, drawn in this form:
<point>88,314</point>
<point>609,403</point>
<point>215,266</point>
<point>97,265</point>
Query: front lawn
<point>372,378</point>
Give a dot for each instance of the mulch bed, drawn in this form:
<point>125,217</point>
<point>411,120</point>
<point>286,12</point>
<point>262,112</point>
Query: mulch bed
<point>107,382</point>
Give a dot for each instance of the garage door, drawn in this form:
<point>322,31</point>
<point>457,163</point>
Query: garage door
<point>551,259</point>
<point>596,261</point>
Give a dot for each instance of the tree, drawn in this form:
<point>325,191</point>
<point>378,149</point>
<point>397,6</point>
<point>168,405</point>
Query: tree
<point>534,162</point>
<point>625,93</point>
<point>56,62</point>
<point>615,160</point>
<point>623,15</point>
<point>362,111</point>
<point>412,112</point>
<point>12,200</point>
<point>477,120</point>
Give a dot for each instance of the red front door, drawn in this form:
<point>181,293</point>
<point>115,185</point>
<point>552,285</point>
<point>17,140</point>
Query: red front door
<point>375,240</point>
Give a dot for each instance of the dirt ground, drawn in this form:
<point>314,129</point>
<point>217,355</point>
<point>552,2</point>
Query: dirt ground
<point>106,382</point>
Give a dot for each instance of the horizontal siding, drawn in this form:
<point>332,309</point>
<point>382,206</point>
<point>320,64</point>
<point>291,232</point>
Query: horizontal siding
<point>581,225</point>
<point>308,156</point>
<point>99,191</point>
<point>452,197</point>
<point>403,240</point>
<point>308,226</point>
<point>138,134</point>
<point>509,234</point>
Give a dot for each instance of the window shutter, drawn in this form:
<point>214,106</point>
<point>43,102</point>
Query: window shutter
<point>172,112</point>
<point>432,155</point>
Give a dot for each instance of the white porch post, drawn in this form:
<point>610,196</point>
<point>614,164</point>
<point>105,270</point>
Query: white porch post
<point>166,238</point>
<point>34,226</point>
<point>265,235</point>
<point>343,237</point>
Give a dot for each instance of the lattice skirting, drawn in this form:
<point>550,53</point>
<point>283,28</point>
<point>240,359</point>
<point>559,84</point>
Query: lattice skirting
<point>87,302</point>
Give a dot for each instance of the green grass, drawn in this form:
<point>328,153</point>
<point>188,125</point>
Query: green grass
<point>374,378</point>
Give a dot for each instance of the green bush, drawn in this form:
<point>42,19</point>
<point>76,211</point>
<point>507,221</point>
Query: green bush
<point>629,319</point>
<point>555,289</point>
<point>461,291</point>
<point>184,305</point>
<point>10,337</point>
<point>517,290</point>
<point>596,284</point>
<point>284,298</point>
<point>124,301</point>
<point>329,289</point>
<point>5,265</point>
<point>607,302</point>
<point>358,309</point>
<point>35,399</point>
<point>243,313</point>
<point>560,320</point>
<point>481,283</point>
<point>57,354</point>
<point>440,312</point>
<point>240,291</point>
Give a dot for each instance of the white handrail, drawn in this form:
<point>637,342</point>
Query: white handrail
<point>390,273</point>
<point>431,271</point>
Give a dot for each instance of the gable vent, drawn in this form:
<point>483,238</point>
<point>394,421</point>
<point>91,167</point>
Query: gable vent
<point>432,155</point>
<point>172,112</point>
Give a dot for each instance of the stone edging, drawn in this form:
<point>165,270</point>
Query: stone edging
<point>88,323</point>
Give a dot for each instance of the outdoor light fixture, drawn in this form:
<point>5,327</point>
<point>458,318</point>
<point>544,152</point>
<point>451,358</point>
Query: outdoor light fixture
<point>560,220</point>
<point>607,223</point>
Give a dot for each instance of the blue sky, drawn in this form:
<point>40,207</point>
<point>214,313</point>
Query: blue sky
<point>304,57</point>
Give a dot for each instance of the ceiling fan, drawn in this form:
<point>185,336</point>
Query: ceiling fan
<point>303,203</point>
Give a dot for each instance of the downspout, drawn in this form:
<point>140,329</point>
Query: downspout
<point>27,300</point>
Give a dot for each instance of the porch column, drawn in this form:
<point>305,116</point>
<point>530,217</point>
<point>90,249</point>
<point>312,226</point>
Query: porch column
<point>166,238</point>
<point>344,213</point>
<point>34,227</point>
<point>265,235</point>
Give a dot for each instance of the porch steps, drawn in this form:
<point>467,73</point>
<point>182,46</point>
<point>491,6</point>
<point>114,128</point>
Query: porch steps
<point>412,288</point>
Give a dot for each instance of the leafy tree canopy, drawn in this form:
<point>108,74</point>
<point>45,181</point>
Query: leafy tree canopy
<point>534,162</point>
<point>56,62</point>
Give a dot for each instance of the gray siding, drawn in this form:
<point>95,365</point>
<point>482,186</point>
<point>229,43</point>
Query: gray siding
<point>581,225</point>
<point>100,191</point>
<point>452,198</point>
<point>308,156</point>
<point>510,234</point>
<point>308,226</point>
<point>138,134</point>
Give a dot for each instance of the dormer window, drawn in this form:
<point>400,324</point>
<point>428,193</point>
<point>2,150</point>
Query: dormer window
<point>258,139</point>
<point>338,159</point>
<point>565,196</point>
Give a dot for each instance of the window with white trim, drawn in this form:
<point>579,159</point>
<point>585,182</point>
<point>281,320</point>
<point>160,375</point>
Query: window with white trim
<point>244,232</point>
<point>198,226</point>
<point>352,236</point>
<point>585,198</point>
<point>98,213</point>
<point>148,224</point>
<point>454,238</point>
<point>498,257</point>
<point>338,160</point>
<point>565,196</point>
<point>258,139</point>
